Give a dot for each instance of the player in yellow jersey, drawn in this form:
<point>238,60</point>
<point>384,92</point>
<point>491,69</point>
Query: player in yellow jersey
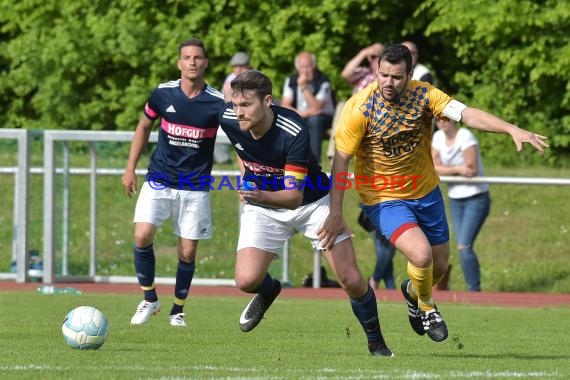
<point>387,127</point>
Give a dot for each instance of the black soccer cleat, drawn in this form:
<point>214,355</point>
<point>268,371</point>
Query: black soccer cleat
<point>434,325</point>
<point>256,308</point>
<point>414,312</point>
<point>379,349</point>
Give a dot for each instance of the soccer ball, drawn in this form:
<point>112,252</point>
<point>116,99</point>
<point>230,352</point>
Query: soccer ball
<point>85,328</point>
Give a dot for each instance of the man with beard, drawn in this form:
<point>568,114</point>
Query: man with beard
<point>388,128</point>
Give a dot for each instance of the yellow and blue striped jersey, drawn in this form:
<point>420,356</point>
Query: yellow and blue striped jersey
<point>391,141</point>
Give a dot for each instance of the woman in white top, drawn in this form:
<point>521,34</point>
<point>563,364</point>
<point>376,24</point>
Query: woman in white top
<point>456,151</point>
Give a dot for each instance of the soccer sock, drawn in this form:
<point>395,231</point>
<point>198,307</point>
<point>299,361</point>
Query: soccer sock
<point>365,309</point>
<point>266,287</point>
<point>184,275</point>
<point>422,279</point>
<point>145,267</point>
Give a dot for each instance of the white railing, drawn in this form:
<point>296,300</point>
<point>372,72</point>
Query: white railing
<point>49,171</point>
<point>21,202</point>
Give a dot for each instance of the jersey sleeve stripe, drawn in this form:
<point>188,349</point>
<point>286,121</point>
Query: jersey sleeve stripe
<point>296,171</point>
<point>212,91</point>
<point>298,176</point>
<point>150,112</point>
<point>170,84</point>
<point>230,114</point>
<point>288,125</point>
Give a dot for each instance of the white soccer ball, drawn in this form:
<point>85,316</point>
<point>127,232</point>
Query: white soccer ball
<point>85,328</point>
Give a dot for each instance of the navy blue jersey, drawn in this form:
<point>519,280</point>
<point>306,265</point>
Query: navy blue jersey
<point>186,136</point>
<point>283,150</point>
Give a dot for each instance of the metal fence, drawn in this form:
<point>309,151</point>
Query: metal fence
<point>49,171</point>
<point>21,197</point>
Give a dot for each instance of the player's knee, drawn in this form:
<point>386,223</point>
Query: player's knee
<point>350,279</point>
<point>187,255</point>
<point>421,256</point>
<point>246,283</point>
<point>421,261</point>
<point>143,239</point>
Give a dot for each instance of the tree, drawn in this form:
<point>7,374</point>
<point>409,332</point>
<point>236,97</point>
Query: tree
<point>91,65</point>
<point>511,57</point>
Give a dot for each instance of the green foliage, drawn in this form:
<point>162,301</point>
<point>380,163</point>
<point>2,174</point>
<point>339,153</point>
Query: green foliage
<point>91,65</point>
<point>511,58</point>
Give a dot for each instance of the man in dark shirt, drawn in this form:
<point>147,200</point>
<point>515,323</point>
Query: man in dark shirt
<point>286,192</point>
<point>188,109</point>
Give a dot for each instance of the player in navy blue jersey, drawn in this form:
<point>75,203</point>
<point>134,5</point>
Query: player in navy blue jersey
<point>290,194</point>
<point>188,112</point>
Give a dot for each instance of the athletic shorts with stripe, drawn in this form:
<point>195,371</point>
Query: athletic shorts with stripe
<point>394,217</point>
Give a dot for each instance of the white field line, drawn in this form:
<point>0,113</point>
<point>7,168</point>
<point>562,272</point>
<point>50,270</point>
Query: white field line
<point>266,373</point>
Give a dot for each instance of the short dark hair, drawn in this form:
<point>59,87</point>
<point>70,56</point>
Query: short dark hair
<point>397,53</point>
<point>253,80</point>
<point>193,42</point>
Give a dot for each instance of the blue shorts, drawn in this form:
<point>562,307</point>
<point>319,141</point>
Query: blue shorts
<point>394,217</point>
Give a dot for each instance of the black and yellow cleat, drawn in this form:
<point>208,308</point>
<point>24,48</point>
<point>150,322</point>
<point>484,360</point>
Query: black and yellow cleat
<point>434,325</point>
<point>414,312</point>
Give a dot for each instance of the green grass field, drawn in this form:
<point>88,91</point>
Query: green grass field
<point>298,339</point>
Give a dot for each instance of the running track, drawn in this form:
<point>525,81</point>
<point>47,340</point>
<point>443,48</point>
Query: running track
<point>469,298</point>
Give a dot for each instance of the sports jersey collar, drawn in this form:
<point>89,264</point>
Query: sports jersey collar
<point>202,90</point>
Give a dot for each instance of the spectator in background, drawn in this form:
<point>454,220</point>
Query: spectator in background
<point>310,93</point>
<point>421,72</point>
<point>358,75</point>
<point>384,268</point>
<point>192,106</point>
<point>456,152</point>
<point>239,63</point>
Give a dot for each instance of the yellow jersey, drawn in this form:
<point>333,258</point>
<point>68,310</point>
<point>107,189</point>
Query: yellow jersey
<point>391,141</point>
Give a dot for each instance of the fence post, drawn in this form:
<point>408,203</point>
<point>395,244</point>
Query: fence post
<point>21,200</point>
<point>93,210</point>
<point>49,208</point>
<point>286,260</point>
<point>65,211</point>
<point>317,269</point>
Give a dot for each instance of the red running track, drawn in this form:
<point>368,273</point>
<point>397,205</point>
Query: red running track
<point>468,298</point>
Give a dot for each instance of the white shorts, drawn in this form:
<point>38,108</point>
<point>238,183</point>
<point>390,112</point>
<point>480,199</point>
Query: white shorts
<point>268,229</point>
<point>190,211</point>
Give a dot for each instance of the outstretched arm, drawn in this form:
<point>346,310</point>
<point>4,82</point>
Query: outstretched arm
<point>484,121</point>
